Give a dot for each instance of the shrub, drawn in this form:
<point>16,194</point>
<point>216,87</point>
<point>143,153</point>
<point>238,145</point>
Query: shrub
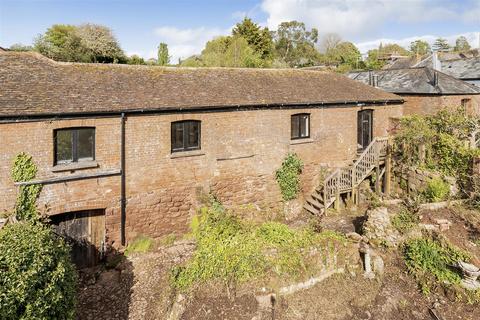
<point>232,251</point>
<point>37,277</point>
<point>428,258</point>
<point>141,244</point>
<point>288,176</point>
<point>436,190</point>
<point>405,221</point>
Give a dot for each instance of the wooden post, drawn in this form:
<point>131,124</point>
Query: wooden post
<point>377,169</point>
<point>325,198</point>
<point>388,169</point>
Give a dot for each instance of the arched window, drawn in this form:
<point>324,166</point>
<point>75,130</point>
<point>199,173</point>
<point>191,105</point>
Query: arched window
<point>74,145</point>
<point>300,126</point>
<point>186,135</point>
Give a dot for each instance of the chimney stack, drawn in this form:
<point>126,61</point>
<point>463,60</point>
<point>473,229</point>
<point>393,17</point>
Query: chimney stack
<point>437,64</point>
<point>435,78</point>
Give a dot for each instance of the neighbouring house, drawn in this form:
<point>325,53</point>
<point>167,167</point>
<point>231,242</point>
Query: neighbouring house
<point>425,90</point>
<point>464,66</point>
<point>128,150</point>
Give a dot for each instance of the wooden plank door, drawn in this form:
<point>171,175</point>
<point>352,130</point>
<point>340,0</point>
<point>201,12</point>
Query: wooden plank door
<point>85,231</point>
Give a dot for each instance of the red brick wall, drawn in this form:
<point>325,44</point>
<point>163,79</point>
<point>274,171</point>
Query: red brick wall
<point>432,104</point>
<point>240,152</point>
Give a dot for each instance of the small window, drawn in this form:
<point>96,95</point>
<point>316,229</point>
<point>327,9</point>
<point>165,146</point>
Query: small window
<point>185,135</point>
<point>300,126</point>
<point>74,145</point>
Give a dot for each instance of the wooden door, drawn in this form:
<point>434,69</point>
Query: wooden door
<point>85,231</point>
<point>364,128</point>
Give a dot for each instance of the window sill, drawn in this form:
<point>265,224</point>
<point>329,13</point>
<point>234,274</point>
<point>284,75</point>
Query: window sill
<point>186,154</point>
<point>301,141</point>
<point>75,166</point>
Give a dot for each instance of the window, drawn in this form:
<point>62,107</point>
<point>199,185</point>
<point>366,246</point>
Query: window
<point>300,126</point>
<point>74,145</point>
<point>465,103</point>
<point>185,135</point>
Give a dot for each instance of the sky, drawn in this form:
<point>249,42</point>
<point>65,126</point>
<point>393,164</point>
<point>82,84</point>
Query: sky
<point>140,25</point>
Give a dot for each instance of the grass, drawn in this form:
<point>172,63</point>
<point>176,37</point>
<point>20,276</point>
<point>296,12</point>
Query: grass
<point>232,250</point>
<point>141,244</point>
<point>405,221</point>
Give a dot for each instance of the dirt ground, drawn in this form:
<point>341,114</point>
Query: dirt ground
<point>138,287</point>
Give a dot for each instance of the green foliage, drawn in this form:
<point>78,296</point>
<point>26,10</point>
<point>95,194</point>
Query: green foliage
<point>24,169</point>
<point>295,45</point>
<point>141,244</point>
<point>84,43</point>
<point>436,190</point>
<point>441,44</point>
<point>430,261</point>
<point>20,47</point>
<point>420,47</point>
<point>258,38</point>
<point>461,44</point>
<point>288,176</point>
<point>37,278</point>
<point>163,58</point>
<point>405,221</point>
<point>443,136</point>
<point>135,59</point>
<point>346,56</point>
<point>232,251</point>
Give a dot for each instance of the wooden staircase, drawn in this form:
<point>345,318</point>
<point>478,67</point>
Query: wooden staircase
<point>347,179</point>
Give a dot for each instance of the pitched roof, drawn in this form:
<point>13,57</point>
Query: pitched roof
<point>416,81</point>
<point>33,85</point>
<point>466,68</point>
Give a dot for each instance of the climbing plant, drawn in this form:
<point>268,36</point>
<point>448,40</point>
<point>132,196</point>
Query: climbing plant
<point>288,176</point>
<point>24,169</point>
<point>438,143</point>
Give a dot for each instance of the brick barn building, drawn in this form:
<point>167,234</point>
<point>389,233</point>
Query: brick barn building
<point>425,90</point>
<point>131,149</point>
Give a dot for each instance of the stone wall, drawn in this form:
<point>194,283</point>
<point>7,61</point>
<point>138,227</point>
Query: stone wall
<point>416,180</point>
<point>240,152</point>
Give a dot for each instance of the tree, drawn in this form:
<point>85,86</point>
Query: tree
<point>296,45</point>
<point>37,277</point>
<point>163,57</point>
<point>461,44</point>
<point>329,42</point>
<point>373,62</point>
<point>135,59</point>
<point>20,47</point>
<point>260,39</point>
<point>100,43</point>
<point>419,47</point>
<point>393,49</point>
<point>85,43</point>
<point>60,42</point>
<point>441,44</point>
<point>230,52</point>
<point>346,56</point>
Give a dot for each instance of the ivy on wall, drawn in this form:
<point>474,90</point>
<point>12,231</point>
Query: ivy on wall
<point>24,169</point>
<point>288,176</point>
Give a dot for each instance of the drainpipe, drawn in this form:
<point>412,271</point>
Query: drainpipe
<point>123,201</point>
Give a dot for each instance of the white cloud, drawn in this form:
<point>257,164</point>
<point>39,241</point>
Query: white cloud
<point>183,43</point>
<point>361,18</point>
<point>472,37</point>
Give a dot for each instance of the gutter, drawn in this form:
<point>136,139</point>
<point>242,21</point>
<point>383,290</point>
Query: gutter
<point>199,109</point>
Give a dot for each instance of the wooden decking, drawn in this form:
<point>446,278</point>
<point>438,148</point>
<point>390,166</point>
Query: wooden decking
<point>347,179</point>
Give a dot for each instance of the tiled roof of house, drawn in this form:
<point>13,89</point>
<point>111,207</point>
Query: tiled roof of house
<point>415,81</point>
<point>32,85</point>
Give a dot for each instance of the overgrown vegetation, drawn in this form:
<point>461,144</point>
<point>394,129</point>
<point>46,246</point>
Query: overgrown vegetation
<point>288,176</point>
<point>24,169</point>
<point>443,137</point>
<point>141,244</point>
<point>37,278</point>
<point>405,221</point>
<point>436,190</point>
<point>431,261</point>
<point>232,251</point>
